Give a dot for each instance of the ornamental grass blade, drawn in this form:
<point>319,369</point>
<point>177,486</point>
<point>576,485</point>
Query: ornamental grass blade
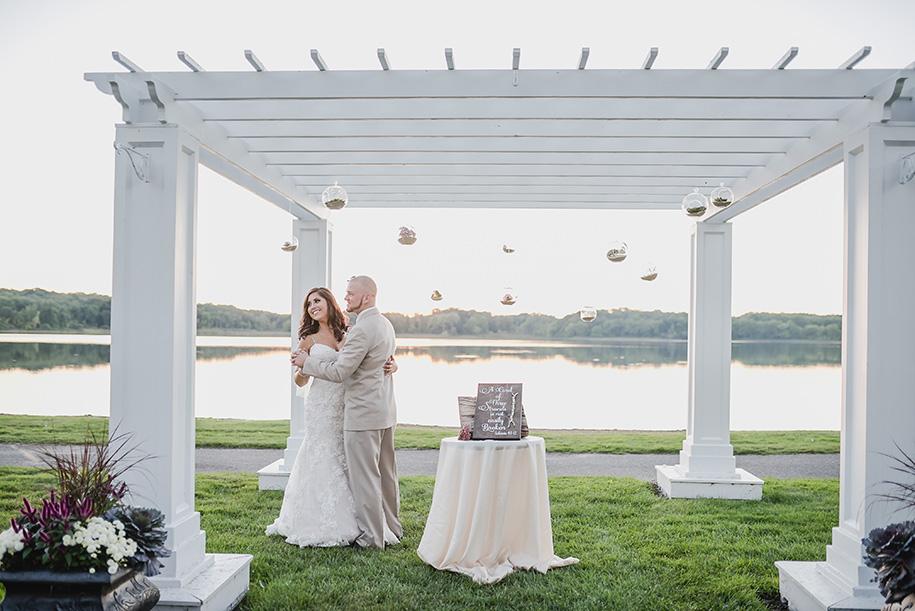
<point>92,471</point>
<point>902,492</point>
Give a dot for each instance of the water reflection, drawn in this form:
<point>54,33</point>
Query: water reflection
<point>755,354</point>
<point>786,354</point>
<point>37,356</point>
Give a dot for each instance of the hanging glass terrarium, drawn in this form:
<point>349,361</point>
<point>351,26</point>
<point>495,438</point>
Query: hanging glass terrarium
<point>588,313</point>
<point>695,204</point>
<point>290,245</point>
<point>508,296</point>
<point>406,235</point>
<point>506,249</point>
<point>436,296</point>
<point>617,251</point>
<point>650,274</point>
<point>334,197</point>
<point>722,196</point>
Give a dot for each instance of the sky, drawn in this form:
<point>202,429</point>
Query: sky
<point>56,194</point>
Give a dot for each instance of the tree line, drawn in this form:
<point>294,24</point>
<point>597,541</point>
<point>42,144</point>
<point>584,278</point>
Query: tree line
<point>617,323</point>
<point>40,310</point>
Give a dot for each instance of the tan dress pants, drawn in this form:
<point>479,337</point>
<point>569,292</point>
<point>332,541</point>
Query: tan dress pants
<point>373,478</point>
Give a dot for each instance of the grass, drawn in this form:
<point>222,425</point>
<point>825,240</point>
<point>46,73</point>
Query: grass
<point>220,433</point>
<point>637,551</point>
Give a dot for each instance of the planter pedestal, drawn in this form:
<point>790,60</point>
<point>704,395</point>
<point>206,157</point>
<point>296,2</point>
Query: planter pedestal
<point>126,590</point>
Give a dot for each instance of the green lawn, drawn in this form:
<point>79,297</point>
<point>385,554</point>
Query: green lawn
<point>217,433</point>
<point>638,551</point>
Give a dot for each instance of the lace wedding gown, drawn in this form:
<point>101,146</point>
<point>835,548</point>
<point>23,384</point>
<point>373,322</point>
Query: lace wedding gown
<point>318,508</point>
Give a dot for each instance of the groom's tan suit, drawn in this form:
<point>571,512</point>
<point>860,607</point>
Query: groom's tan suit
<point>369,417</point>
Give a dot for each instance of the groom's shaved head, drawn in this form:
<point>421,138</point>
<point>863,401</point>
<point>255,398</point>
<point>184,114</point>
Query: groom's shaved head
<point>366,284</point>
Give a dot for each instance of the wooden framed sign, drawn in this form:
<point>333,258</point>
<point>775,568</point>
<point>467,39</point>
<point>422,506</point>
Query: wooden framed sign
<point>498,412</point>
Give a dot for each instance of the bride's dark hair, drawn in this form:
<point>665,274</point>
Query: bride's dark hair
<point>336,319</point>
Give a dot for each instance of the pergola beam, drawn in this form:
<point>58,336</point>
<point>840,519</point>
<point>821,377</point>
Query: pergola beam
<point>657,109</point>
<point>407,84</point>
<point>493,144</point>
<point>254,61</point>
<point>316,181</point>
<point>786,59</point>
<point>649,59</point>
<point>318,60</point>
<point>517,128</point>
<point>648,171</point>
<point>456,189</point>
<point>282,192</point>
<point>188,61</point>
<point>595,158</point>
<point>855,59</point>
<point>719,57</point>
<point>810,156</point>
<point>383,59</point>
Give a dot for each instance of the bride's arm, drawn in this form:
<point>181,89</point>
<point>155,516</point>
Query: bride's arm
<point>390,366</point>
<point>300,378</point>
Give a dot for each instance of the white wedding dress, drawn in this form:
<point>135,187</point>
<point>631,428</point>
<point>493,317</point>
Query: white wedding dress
<point>318,508</point>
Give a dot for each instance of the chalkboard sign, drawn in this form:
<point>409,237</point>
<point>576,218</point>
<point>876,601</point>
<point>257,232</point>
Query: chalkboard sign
<point>498,413</point>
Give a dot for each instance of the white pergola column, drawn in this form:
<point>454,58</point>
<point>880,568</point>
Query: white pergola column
<point>707,466</point>
<point>153,350</point>
<point>311,267</point>
<point>878,361</point>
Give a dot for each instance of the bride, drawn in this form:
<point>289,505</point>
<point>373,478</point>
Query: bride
<point>318,507</point>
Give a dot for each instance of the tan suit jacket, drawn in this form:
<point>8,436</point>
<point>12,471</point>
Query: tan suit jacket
<point>369,394</point>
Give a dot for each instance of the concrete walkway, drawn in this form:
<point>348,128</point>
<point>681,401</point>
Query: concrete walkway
<point>423,462</point>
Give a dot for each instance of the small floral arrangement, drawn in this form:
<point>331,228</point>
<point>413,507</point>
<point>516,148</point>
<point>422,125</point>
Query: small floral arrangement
<point>83,525</point>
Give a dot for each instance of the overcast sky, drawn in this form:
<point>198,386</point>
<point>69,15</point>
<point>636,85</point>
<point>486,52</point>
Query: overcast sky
<point>58,160</point>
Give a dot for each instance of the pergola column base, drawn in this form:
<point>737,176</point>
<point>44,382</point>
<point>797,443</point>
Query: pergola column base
<point>221,587</point>
<point>274,476</point>
<point>676,483</point>
<point>807,586</point>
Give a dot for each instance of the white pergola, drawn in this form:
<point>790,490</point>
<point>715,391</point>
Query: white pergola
<point>637,139</point>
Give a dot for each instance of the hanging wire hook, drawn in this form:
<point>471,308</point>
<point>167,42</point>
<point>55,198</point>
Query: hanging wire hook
<point>141,165</point>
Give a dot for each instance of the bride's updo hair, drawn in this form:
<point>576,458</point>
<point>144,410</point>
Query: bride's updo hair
<point>336,319</point>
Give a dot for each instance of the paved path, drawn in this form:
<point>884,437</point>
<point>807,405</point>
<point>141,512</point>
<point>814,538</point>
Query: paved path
<point>423,462</point>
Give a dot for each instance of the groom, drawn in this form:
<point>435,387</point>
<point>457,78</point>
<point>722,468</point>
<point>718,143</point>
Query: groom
<point>369,412</point>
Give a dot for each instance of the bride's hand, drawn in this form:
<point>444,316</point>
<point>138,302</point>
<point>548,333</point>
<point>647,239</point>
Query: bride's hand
<point>390,366</point>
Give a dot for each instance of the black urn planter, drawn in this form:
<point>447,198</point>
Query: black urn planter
<point>126,590</point>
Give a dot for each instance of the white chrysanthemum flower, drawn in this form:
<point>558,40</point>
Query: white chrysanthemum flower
<point>10,541</point>
<point>91,571</point>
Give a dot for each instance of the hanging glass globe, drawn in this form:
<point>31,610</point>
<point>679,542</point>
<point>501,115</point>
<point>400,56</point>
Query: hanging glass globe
<point>508,296</point>
<point>334,197</point>
<point>651,273</point>
<point>617,251</point>
<point>436,296</point>
<point>695,204</point>
<point>290,244</point>
<point>505,248</point>
<point>406,235</point>
<point>722,196</point>
<point>588,313</point>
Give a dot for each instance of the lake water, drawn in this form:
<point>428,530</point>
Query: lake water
<point>612,385</point>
